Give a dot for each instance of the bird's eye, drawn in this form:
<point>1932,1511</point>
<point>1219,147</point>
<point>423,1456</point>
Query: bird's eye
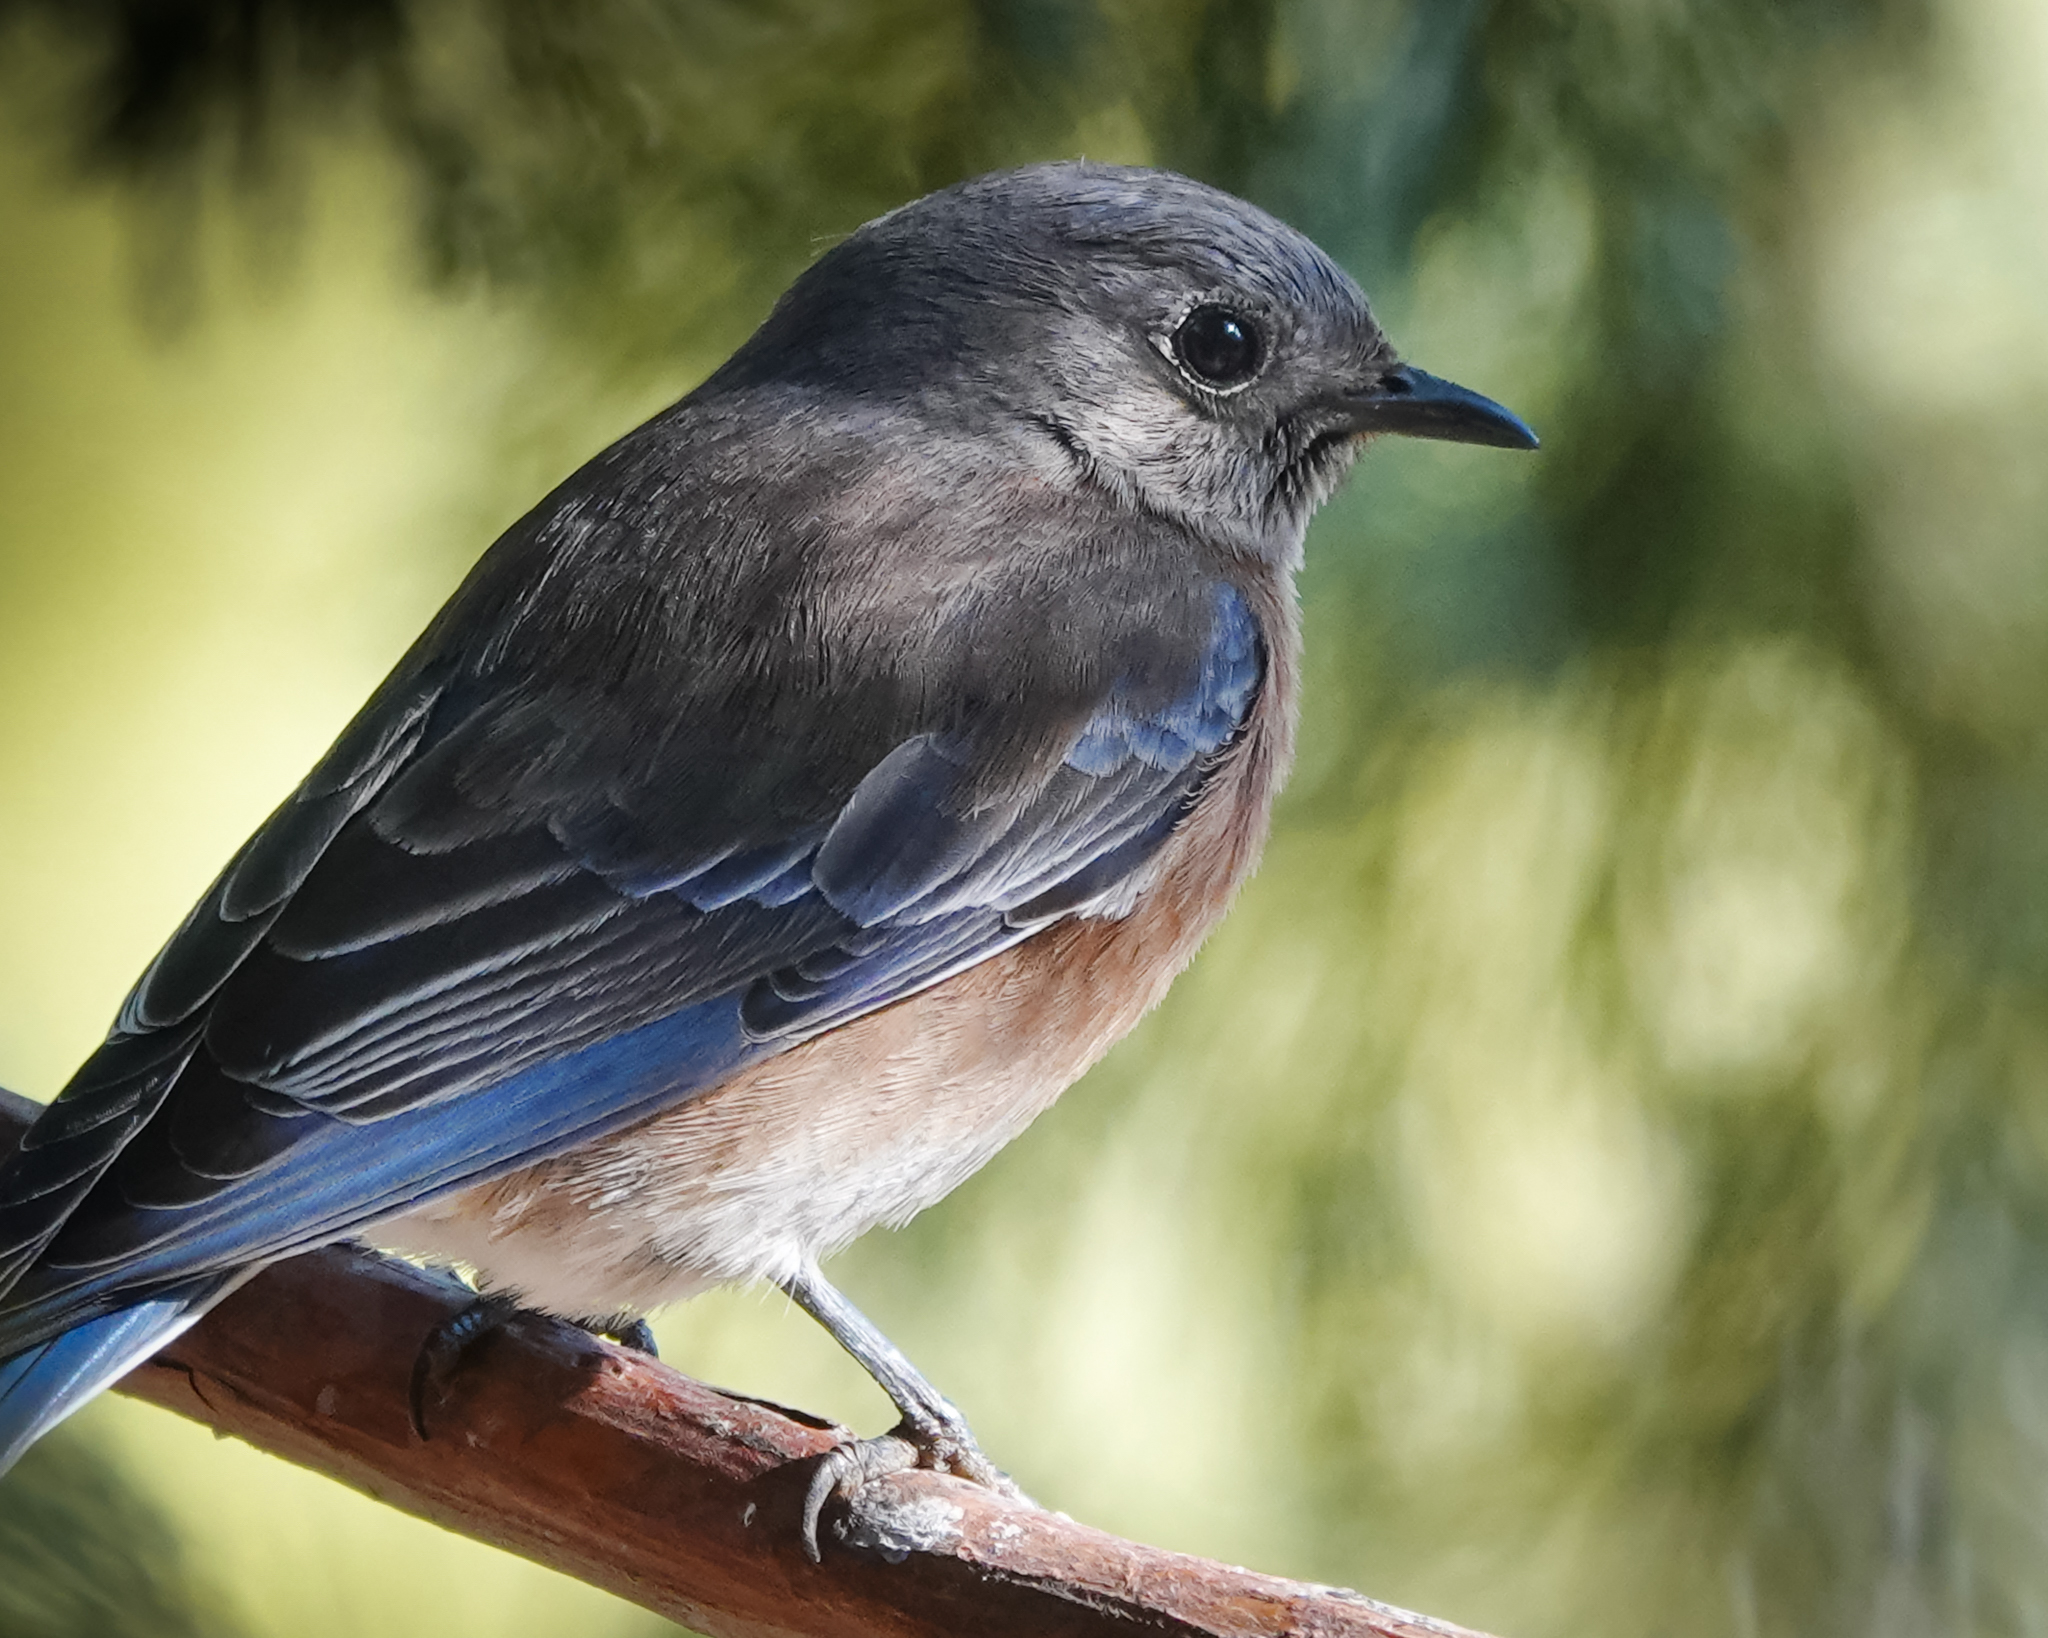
<point>1217,347</point>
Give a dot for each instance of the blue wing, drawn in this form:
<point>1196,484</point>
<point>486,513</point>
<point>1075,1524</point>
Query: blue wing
<point>407,982</point>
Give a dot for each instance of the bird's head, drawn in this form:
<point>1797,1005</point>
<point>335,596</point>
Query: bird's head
<point>1183,348</point>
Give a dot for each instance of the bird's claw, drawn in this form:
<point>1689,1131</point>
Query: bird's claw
<point>847,1469</point>
<point>844,1471</point>
<point>628,1332</point>
<point>446,1346</point>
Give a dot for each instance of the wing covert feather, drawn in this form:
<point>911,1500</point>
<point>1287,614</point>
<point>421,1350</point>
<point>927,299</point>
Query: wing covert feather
<point>487,927</point>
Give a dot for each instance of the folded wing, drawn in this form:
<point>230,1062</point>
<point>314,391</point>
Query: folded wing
<point>441,959</point>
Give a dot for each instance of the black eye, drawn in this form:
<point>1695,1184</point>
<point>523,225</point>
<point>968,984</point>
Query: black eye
<point>1217,347</point>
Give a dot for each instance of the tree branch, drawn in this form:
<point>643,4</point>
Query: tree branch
<point>608,1466</point>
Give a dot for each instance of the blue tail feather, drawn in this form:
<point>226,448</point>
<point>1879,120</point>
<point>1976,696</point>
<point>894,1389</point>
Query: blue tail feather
<point>40,1386</point>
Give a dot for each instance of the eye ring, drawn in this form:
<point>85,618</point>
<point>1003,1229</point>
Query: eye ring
<point>1218,347</point>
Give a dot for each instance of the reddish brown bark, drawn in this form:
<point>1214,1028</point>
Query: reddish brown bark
<point>612,1468</point>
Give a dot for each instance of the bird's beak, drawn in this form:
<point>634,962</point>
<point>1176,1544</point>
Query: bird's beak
<point>1417,404</point>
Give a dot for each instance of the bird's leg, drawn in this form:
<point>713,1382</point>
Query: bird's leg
<point>932,1434</point>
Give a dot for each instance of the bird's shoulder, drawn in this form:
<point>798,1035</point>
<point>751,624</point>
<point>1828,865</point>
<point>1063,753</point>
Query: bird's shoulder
<point>813,581</point>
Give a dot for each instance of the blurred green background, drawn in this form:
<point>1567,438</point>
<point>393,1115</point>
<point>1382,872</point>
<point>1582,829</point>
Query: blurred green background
<point>1597,1182</point>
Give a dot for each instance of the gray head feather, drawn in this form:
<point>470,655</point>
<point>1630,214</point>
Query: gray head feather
<point>1050,298</point>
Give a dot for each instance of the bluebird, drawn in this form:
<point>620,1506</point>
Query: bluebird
<point>777,819</point>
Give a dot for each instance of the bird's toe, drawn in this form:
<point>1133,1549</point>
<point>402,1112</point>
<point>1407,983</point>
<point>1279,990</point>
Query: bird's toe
<point>627,1331</point>
<point>935,1447</point>
<point>445,1350</point>
<point>845,1470</point>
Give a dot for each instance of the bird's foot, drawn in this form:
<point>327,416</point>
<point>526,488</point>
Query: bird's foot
<point>934,1443</point>
<point>627,1331</point>
<point>446,1348</point>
